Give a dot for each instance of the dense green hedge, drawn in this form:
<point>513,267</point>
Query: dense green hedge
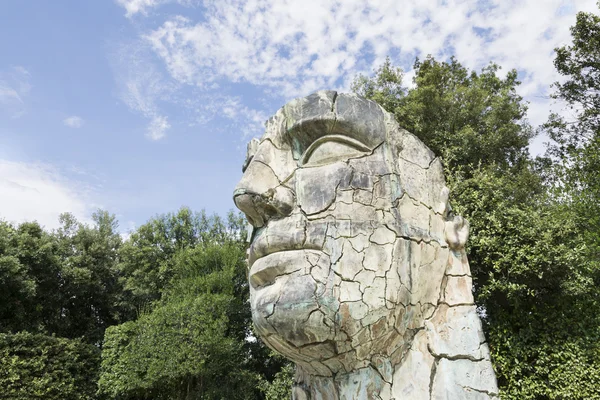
<point>34,366</point>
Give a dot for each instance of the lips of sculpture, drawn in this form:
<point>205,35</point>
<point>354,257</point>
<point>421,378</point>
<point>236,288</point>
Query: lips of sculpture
<point>292,233</point>
<point>275,239</point>
<point>267,269</point>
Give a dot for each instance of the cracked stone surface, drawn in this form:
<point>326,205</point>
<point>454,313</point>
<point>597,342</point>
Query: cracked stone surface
<point>357,266</point>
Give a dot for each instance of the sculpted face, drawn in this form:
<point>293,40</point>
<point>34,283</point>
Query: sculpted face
<point>347,254</point>
<point>356,272</point>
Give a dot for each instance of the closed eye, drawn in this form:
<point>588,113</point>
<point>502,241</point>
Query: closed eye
<point>331,148</point>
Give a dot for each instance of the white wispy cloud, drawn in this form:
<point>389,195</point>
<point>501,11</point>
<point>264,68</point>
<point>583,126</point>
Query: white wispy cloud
<point>133,7</point>
<point>41,193</point>
<point>14,87</point>
<point>142,87</point>
<point>157,127</point>
<point>73,121</point>
<point>301,45</point>
<point>146,89</point>
<point>293,47</point>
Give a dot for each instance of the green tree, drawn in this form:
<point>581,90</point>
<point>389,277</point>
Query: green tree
<point>385,87</point>
<point>90,292</point>
<point>192,343</point>
<point>63,282</point>
<point>466,117</point>
<point>579,63</point>
<point>280,387</point>
<point>146,259</point>
<point>193,336</point>
<point>29,276</point>
<point>576,140</point>
<point>541,306</point>
<point>63,289</point>
<point>60,283</point>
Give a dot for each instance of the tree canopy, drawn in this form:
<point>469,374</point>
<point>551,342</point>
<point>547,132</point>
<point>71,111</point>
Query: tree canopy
<point>466,117</point>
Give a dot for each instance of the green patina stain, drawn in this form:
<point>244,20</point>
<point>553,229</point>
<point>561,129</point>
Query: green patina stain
<point>296,148</point>
<point>397,191</point>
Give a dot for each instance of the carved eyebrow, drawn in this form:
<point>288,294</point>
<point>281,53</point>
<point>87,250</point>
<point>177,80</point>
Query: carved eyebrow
<point>332,138</point>
<point>305,120</point>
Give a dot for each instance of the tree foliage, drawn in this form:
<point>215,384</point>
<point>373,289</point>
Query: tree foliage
<point>35,366</point>
<point>89,288</point>
<point>29,277</point>
<point>59,293</point>
<point>193,341</point>
<point>146,259</point>
<point>184,347</point>
<point>466,117</point>
<point>62,282</point>
<point>540,299</point>
<point>174,295</point>
<point>576,138</point>
<point>579,63</point>
<point>280,388</point>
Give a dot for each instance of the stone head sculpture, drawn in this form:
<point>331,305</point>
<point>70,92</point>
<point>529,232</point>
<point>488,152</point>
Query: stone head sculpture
<point>357,268</point>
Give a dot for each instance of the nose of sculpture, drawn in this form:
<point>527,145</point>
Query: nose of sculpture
<point>262,199</point>
<point>246,202</point>
<point>259,208</point>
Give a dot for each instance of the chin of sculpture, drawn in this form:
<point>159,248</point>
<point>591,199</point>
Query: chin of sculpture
<point>357,266</point>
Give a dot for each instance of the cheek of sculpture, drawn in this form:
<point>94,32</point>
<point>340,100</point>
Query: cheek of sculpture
<point>351,197</point>
<point>317,187</point>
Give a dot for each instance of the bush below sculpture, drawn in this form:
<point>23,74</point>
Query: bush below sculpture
<point>34,366</point>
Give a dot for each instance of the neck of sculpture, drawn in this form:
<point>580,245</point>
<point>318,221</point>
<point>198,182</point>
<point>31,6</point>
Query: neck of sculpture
<point>363,383</point>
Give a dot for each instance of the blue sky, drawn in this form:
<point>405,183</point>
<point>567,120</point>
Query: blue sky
<point>142,106</point>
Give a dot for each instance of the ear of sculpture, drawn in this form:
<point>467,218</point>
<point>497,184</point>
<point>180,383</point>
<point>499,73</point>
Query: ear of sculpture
<point>456,228</point>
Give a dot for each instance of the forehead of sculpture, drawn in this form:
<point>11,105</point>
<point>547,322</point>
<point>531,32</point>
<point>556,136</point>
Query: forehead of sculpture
<point>302,121</point>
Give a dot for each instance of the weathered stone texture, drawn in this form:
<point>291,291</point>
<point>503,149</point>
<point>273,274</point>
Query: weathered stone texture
<point>357,266</point>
